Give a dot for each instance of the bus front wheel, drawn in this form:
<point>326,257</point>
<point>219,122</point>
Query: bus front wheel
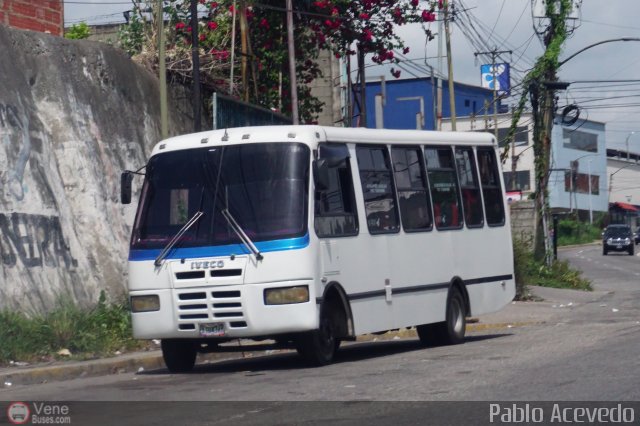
<point>179,355</point>
<point>452,330</point>
<point>318,347</point>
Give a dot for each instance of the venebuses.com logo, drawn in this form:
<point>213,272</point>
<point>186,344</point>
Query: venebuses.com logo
<point>18,413</point>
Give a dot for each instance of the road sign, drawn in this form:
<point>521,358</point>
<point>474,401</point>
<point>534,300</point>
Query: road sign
<point>502,77</point>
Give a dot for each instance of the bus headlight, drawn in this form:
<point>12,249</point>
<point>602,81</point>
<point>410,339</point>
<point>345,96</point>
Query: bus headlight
<point>286,295</point>
<point>148,303</point>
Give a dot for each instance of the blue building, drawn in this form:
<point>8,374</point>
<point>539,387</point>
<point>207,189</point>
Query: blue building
<point>410,103</point>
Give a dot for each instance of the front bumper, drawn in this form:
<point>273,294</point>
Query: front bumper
<point>238,310</point>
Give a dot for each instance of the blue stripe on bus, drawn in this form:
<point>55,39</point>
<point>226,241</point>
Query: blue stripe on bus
<point>226,250</point>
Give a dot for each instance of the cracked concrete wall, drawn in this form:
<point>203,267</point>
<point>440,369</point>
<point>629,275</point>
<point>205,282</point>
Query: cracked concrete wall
<point>73,116</point>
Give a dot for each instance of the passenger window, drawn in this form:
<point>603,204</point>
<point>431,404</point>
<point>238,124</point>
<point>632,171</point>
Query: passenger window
<point>411,184</point>
<point>469,187</point>
<point>335,206</point>
<point>377,189</point>
<point>491,187</point>
<point>447,209</point>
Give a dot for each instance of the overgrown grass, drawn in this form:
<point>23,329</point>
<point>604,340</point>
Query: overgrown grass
<point>86,333</point>
<point>571,231</point>
<point>530,271</point>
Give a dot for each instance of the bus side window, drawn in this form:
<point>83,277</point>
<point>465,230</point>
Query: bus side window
<point>443,183</point>
<point>469,186</point>
<point>377,189</point>
<point>491,187</point>
<point>411,184</point>
<point>335,206</point>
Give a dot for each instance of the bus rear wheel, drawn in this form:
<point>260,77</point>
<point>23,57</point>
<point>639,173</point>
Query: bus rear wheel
<point>179,355</point>
<point>452,330</point>
<point>318,347</point>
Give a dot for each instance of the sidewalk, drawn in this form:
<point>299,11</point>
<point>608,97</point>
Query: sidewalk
<point>516,314</point>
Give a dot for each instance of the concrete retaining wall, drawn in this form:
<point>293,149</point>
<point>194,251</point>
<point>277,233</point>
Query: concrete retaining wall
<point>73,115</point>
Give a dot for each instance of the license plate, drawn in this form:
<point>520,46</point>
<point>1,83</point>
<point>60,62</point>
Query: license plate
<point>215,329</point>
<point>619,246</point>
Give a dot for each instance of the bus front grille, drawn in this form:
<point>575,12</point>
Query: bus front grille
<point>195,307</point>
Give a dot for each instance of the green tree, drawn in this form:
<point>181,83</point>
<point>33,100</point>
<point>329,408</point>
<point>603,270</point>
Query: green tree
<point>260,57</point>
<point>78,31</point>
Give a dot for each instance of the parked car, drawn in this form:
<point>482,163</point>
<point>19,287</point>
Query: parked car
<point>637,236</point>
<point>618,237</point>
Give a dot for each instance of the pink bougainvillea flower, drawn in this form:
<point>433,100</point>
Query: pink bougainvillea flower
<point>428,16</point>
<point>212,25</point>
<point>405,50</point>
<point>180,25</point>
<point>264,23</point>
<point>365,16</point>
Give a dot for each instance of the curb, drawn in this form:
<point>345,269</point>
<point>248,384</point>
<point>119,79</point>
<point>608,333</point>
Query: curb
<point>139,362</point>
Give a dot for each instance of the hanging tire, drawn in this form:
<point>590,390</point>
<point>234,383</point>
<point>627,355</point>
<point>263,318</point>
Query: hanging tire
<point>179,355</point>
<point>452,330</point>
<point>318,347</point>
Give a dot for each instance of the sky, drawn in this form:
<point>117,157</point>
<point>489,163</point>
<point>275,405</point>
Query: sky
<point>485,25</point>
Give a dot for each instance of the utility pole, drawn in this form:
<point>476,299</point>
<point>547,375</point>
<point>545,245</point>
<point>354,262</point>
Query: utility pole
<point>494,54</point>
<point>440,72</point>
<point>162,73</point>
<point>363,88</point>
<point>195,57</point>
<point>452,99</point>
<point>233,47</point>
<point>292,64</point>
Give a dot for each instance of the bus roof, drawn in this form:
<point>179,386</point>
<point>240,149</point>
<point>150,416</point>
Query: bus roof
<point>312,134</point>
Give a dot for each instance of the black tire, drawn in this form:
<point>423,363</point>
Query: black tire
<point>452,330</point>
<point>631,251</point>
<point>604,252</point>
<point>179,355</point>
<point>318,347</point>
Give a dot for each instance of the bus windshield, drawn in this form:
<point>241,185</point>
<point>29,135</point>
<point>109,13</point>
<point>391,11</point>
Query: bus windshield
<point>263,186</point>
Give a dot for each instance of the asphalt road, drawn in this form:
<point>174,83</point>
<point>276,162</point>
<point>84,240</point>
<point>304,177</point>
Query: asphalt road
<point>578,347</point>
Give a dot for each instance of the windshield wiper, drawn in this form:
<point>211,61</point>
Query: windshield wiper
<point>241,234</point>
<point>174,240</point>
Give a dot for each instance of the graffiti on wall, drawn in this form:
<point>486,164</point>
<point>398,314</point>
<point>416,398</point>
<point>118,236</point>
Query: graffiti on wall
<point>14,132</point>
<point>33,241</point>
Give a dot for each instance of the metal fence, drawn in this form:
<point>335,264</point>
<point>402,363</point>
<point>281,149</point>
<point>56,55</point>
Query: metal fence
<point>230,112</point>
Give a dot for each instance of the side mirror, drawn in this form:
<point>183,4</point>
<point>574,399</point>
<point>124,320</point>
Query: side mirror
<point>125,187</point>
<point>321,174</point>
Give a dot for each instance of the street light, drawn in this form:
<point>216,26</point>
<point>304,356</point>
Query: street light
<point>589,176</point>
<point>590,195</point>
<point>611,177</point>
<point>627,143</point>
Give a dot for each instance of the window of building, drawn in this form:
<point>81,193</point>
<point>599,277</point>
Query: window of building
<point>377,188</point>
<point>577,139</point>
<point>520,137</point>
<point>469,187</point>
<point>447,208</point>
<point>520,181</point>
<point>335,206</point>
<point>491,187</point>
<point>580,184</point>
<point>411,184</point>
